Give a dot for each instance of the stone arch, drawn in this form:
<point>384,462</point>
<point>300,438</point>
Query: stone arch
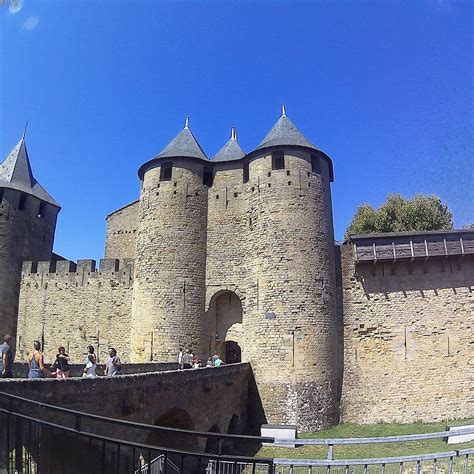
<point>174,418</point>
<point>216,290</point>
<point>224,319</point>
<point>212,444</point>
<point>234,425</point>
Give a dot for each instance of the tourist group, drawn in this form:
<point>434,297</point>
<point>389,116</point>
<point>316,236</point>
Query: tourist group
<point>60,368</point>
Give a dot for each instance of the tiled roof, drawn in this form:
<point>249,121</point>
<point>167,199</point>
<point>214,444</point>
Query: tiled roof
<point>230,151</point>
<point>284,132</point>
<point>15,173</point>
<point>184,144</point>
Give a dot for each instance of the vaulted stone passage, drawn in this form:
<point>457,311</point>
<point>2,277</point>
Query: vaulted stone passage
<point>224,322</point>
<point>174,418</point>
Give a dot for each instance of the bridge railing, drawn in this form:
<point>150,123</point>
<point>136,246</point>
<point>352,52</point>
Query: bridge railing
<point>32,445</point>
<point>25,436</point>
<point>79,417</point>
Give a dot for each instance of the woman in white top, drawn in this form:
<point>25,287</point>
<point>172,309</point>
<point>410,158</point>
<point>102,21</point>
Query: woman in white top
<point>89,369</point>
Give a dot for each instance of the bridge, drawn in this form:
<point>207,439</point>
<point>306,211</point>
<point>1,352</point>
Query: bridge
<point>170,422</point>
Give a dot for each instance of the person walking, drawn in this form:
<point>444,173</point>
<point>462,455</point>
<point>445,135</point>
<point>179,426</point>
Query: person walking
<point>180,358</point>
<point>113,366</point>
<point>90,351</point>
<point>89,369</point>
<point>6,357</point>
<point>218,362</point>
<point>187,360</point>
<point>61,364</point>
<point>37,370</point>
<point>209,362</point>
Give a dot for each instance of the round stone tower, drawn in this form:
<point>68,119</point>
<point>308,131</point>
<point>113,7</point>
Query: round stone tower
<point>170,265</point>
<point>27,223</point>
<point>290,325</point>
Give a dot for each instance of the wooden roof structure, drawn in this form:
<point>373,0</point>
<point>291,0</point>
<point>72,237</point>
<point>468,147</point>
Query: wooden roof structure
<point>395,246</point>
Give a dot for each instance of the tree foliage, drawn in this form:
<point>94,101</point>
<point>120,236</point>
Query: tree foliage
<point>399,214</point>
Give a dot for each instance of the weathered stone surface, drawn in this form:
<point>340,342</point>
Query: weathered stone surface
<point>23,236</point>
<point>408,340</point>
<point>170,269</point>
<point>211,397</point>
<point>120,237</point>
<point>75,309</point>
<point>270,241</point>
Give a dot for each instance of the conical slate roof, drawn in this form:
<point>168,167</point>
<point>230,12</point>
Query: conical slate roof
<point>284,132</point>
<point>231,150</point>
<point>15,173</point>
<point>184,144</point>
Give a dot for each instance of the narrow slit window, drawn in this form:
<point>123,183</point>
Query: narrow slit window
<point>22,203</point>
<point>2,192</point>
<point>166,171</point>
<point>42,210</point>
<point>278,160</point>
<point>315,164</point>
<point>246,172</point>
<point>207,176</point>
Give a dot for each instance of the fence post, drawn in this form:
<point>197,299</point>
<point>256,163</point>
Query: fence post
<point>19,445</point>
<point>330,450</point>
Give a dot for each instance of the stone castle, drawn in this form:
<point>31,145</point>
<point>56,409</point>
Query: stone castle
<point>236,254</point>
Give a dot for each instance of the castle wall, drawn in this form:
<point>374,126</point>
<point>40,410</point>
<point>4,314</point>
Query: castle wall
<point>23,236</point>
<point>71,306</point>
<point>408,340</point>
<point>226,265</point>
<point>268,242</point>
<point>120,237</point>
<point>170,268</point>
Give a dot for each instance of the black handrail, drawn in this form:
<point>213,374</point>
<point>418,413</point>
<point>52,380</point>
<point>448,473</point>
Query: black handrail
<point>201,434</point>
<point>136,445</point>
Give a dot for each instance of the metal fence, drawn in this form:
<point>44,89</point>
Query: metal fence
<point>33,441</point>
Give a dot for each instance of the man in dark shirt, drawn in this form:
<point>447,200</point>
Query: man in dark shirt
<point>6,361</point>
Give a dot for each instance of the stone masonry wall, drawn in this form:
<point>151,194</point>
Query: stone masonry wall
<point>268,241</point>
<point>74,307</point>
<point>209,396</point>
<point>408,340</point>
<point>120,238</point>
<point>170,271</point>
<point>23,236</point>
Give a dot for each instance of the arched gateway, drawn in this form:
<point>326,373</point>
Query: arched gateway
<point>224,326</point>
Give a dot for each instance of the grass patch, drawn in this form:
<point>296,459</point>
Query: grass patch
<point>349,430</point>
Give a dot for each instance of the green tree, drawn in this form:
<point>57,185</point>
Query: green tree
<point>399,214</point>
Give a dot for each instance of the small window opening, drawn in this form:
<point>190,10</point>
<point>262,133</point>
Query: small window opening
<point>315,164</point>
<point>22,203</point>
<point>2,192</point>
<point>246,172</point>
<point>288,173</point>
<point>166,171</point>
<point>278,160</point>
<point>42,210</point>
<point>207,176</point>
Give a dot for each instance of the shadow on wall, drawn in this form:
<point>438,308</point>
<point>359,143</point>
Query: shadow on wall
<point>432,275</point>
<point>256,414</point>
<point>339,323</point>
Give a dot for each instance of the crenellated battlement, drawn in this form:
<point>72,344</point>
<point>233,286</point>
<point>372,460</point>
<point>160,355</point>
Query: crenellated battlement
<point>81,272</point>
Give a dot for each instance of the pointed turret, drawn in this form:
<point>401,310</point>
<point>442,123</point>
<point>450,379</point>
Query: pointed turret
<point>284,132</point>
<point>231,150</point>
<point>184,144</point>
<point>16,173</point>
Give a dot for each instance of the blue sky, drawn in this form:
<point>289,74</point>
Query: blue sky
<point>384,87</point>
